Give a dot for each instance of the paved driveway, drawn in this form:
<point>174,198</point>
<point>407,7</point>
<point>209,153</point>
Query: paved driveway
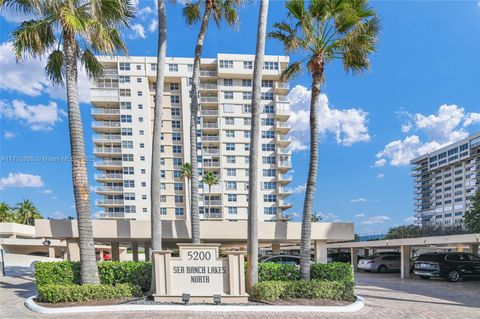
<point>386,295</point>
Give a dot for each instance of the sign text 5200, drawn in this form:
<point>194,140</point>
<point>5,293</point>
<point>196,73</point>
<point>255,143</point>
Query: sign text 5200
<point>199,255</point>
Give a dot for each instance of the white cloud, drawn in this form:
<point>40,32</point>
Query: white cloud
<point>410,220</point>
<point>46,191</point>
<point>299,189</point>
<point>37,117</point>
<point>380,175</point>
<point>440,129</point>
<point>358,200</point>
<point>8,135</point>
<point>375,220</point>
<point>406,127</point>
<point>138,31</point>
<point>360,215</point>
<point>27,77</point>
<point>348,126</point>
<point>153,25</point>
<point>329,217</point>
<point>20,180</point>
<point>58,215</point>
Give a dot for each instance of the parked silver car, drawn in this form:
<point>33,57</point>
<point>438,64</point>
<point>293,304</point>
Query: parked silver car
<point>380,263</point>
<point>281,259</point>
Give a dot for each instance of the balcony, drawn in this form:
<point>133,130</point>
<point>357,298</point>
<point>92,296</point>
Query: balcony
<point>213,202</point>
<point>209,112</point>
<point>105,111</point>
<point>109,176</point>
<point>208,99</point>
<point>104,95</point>
<point>205,73</point>
<point>284,191</point>
<point>107,150</point>
<point>284,164</point>
<point>210,125</point>
<point>212,216</point>
<point>109,189</point>
<point>282,98</point>
<point>282,127</point>
<point>106,126</point>
<point>107,138</point>
<point>215,189</point>
<point>107,163</point>
<point>284,151</point>
<point>109,202</point>
<point>211,151</point>
<point>211,164</point>
<point>284,179</point>
<point>282,112</point>
<point>282,87</point>
<point>208,86</point>
<point>284,205</point>
<point>210,138</point>
<point>111,215</point>
<point>283,140</point>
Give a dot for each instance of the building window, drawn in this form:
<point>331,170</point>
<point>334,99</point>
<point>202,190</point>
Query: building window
<point>125,92</point>
<point>229,121</point>
<point>269,172</point>
<point>177,161</point>
<point>129,209</point>
<point>231,159</point>
<point>163,198</point>
<point>178,198</point>
<point>175,99</point>
<point>175,111</point>
<point>270,210</point>
<point>139,67</point>
<point>270,66</point>
<point>177,149</point>
<point>176,136</point>
<point>268,121</point>
<point>127,144</point>
<point>139,93</point>
<point>163,210</point>
<point>269,198</point>
<point>153,67</point>
<point>173,67</point>
<point>268,147</point>
<point>174,86</point>
<point>226,64</point>
<point>177,173</point>
<point>248,65</point>
<point>247,108</point>
<point>266,96</point>
<point>126,131</point>
<point>268,160</point>
<point>128,183</point>
<point>247,147</point>
<point>246,134</point>
<point>126,105</point>
<point>227,82</point>
<point>231,197</point>
<point>176,124</point>
<point>231,172</point>
<point>269,185</point>
<point>268,134</point>
<point>178,186</point>
<point>247,95</point>
<point>230,147</point>
<point>267,84</point>
<point>247,121</point>
<point>140,119</point>
<point>139,80</point>
<point>179,211</point>
<point>231,185</point>
<point>124,79</point>
<point>124,66</point>
<point>126,118</point>
<point>228,95</point>
<point>127,157</point>
<point>229,133</point>
<point>247,83</point>
<point>232,210</point>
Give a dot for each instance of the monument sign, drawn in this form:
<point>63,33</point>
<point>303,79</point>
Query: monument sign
<point>201,273</point>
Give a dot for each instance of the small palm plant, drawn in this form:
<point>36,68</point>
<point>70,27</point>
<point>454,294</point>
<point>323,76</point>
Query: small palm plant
<point>26,213</point>
<point>69,31</point>
<point>210,179</point>
<point>6,214</point>
<point>321,32</point>
<point>220,10</point>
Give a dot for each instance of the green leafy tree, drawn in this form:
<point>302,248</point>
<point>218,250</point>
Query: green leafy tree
<point>253,179</point>
<point>69,31</point>
<point>220,10</point>
<point>472,216</point>
<point>319,33</point>
<point>26,213</point>
<point>210,179</point>
<point>6,214</point>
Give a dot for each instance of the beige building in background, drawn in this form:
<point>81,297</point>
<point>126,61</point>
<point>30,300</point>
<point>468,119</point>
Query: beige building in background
<point>123,119</point>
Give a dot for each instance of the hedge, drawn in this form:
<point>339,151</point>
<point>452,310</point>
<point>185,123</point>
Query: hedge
<point>52,293</point>
<point>111,273</point>
<point>314,289</point>
<point>330,272</point>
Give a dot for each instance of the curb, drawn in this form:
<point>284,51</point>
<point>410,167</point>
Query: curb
<point>356,306</point>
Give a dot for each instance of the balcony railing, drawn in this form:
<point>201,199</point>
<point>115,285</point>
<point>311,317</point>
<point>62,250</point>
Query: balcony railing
<point>208,99</point>
<point>280,98</point>
<point>208,73</point>
<point>213,202</point>
<point>283,150</point>
<point>284,164</point>
<point>283,125</point>
<point>101,111</point>
<point>109,189</point>
<point>107,137</point>
<point>211,164</point>
<point>282,85</point>
<point>209,112</point>
<point>208,86</point>
<point>108,162</point>
<point>109,202</point>
<point>211,151</point>
<point>109,176</point>
<point>211,138</point>
<point>111,150</point>
<point>105,124</point>
<point>104,95</point>
<point>209,125</point>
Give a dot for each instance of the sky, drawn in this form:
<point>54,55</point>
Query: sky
<point>422,92</point>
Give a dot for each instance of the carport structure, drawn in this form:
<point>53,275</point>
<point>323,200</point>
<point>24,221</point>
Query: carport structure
<point>405,246</point>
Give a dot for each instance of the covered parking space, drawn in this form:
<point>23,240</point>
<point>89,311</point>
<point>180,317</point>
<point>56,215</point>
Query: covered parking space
<point>232,235</point>
<point>463,242</point>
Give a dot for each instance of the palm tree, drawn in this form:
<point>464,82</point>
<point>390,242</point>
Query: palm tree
<point>186,171</point>
<point>253,179</point>
<point>69,31</point>
<point>323,31</point>
<point>156,180</point>
<point>5,213</point>
<point>210,179</point>
<point>316,217</point>
<point>26,213</point>
<point>220,9</point>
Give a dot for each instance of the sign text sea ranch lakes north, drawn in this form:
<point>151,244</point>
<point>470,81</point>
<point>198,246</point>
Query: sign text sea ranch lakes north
<point>200,274</point>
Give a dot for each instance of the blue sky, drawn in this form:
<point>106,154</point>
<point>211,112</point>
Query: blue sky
<point>422,92</point>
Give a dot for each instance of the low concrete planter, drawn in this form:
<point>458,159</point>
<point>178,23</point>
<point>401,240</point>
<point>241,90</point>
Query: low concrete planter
<point>356,306</point>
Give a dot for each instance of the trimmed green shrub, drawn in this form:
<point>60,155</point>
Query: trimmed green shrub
<point>315,289</point>
<point>110,272</point>
<point>52,293</point>
<point>331,272</point>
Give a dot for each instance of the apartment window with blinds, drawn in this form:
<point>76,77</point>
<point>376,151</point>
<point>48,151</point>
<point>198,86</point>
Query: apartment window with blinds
<point>231,172</point>
<point>231,159</point>
<point>247,108</point>
<point>178,198</point>
<point>247,95</point>
<point>175,99</point>
<point>230,133</point>
<point>124,79</point>
<point>268,134</point>
<point>179,211</point>
<point>126,118</point>
<point>228,95</point>
<point>232,210</point>
<point>231,185</point>
<point>270,198</point>
<point>266,96</point>
<point>226,64</point>
<point>267,83</point>
<point>227,82</point>
<point>270,210</point>
<point>269,172</point>
<point>124,66</point>
<point>229,121</point>
<point>176,136</point>
<point>247,83</point>
<point>173,67</point>
<point>248,65</point>
<point>126,105</point>
<point>125,92</point>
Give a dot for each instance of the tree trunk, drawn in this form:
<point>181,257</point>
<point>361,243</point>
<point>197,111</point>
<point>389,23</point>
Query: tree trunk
<point>254,176</point>
<point>155,183</point>
<point>194,211</point>
<point>209,199</point>
<point>88,263</point>
<point>306,235</point>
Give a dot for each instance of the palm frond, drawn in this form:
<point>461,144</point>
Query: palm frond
<point>73,20</point>
<point>91,64</point>
<point>286,34</point>
<point>54,68</point>
<point>113,12</point>
<point>291,71</point>
<point>33,38</point>
<point>191,13</point>
<point>22,6</point>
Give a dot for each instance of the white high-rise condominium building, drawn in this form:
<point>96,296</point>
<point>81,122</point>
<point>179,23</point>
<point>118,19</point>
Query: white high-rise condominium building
<point>122,114</point>
<point>445,181</point>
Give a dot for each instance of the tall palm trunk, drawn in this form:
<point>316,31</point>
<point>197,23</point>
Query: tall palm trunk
<point>209,199</point>
<point>194,210</point>
<point>155,183</point>
<point>254,176</point>
<point>88,263</point>
<point>306,235</point>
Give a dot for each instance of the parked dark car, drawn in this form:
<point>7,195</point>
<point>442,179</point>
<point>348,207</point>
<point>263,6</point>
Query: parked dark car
<point>451,266</point>
<point>339,257</point>
<point>281,259</point>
